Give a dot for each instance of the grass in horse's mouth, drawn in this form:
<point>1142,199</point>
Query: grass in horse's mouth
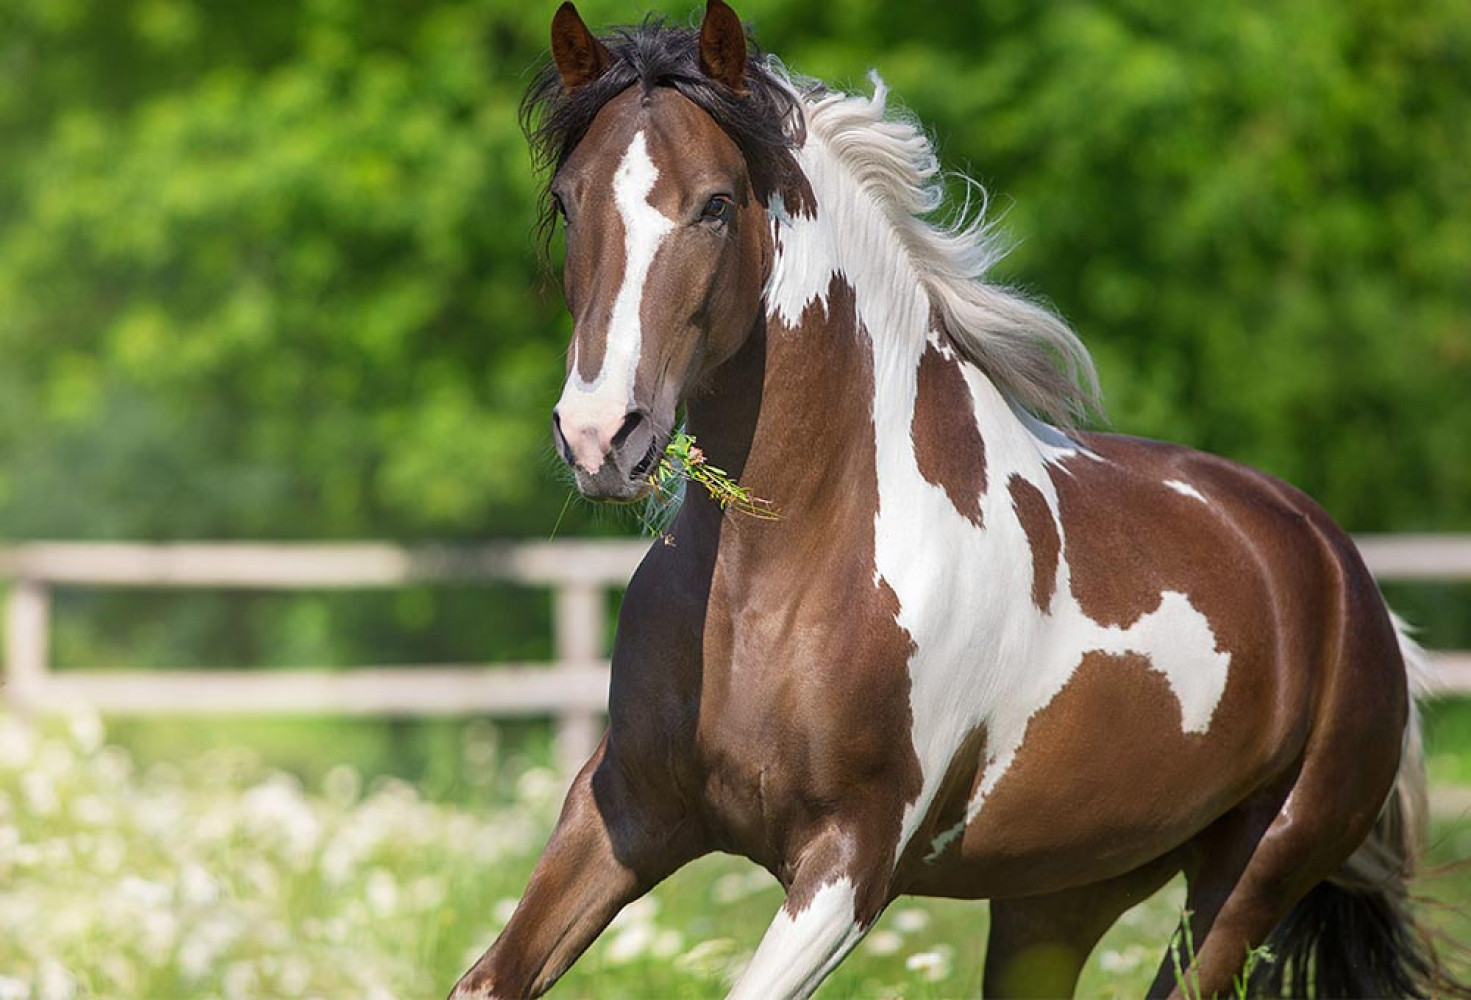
<point>684,461</point>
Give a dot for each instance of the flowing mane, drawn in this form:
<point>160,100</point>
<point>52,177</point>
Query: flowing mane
<point>1032,355</point>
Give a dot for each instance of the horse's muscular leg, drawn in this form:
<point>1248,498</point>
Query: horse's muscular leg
<point>1039,944</point>
<point>1247,878</point>
<point>610,846</point>
<point>831,903</point>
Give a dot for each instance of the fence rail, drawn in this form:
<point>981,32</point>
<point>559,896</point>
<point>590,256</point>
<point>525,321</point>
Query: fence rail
<point>573,688</point>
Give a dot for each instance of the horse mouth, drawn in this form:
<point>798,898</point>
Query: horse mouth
<point>642,467</point>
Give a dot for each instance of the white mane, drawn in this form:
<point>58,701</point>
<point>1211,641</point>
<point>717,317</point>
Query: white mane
<point>1030,354</point>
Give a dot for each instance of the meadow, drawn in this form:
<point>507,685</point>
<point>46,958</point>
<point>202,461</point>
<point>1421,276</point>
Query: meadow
<point>136,867</point>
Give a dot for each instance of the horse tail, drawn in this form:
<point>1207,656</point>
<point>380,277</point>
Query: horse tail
<point>1354,935</point>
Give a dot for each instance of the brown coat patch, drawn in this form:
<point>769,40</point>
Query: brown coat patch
<point>947,442</point>
<point>1036,520</point>
<point>805,729</point>
<point>1105,779</point>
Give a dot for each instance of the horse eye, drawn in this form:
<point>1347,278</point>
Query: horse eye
<point>561,208</point>
<point>717,209</point>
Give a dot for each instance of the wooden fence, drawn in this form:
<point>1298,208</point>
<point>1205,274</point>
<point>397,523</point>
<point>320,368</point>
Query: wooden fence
<point>573,688</point>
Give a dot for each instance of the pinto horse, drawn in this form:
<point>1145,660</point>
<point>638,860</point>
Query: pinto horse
<point>980,654</point>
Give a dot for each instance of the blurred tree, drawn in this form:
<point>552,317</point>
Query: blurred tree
<point>266,269</point>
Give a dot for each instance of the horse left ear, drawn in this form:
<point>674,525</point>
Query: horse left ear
<point>579,56</point>
<point>723,46</point>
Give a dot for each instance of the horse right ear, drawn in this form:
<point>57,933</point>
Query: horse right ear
<point>579,56</point>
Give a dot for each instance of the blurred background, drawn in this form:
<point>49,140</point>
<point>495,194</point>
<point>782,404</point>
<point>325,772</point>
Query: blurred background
<point>267,273</point>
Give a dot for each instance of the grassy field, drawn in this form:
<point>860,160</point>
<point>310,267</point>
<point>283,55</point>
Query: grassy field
<point>139,869</point>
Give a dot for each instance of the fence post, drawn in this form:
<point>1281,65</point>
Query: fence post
<point>577,617</point>
<point>27,638</point>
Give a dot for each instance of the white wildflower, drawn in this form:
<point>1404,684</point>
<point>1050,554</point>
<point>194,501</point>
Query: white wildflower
<point>934,965</point>
<point>910,921</point>
<point>108,855</point>
<point>504,909</point>
<point>160,931</point>
<point>241,980</point>
<point>342,786</point>
<point>667,944</point>
<point>1118,962</point>
<point>196,886</point>
<point>629,943</point>
<point>17,745</point>
<point>39,793</point>
<point>112,767</point>
<point>119,971</point>
<point>382,892</point>
<point>641,911</point>
<point>426,893</point>
<point>539,786</point>
<point>735,886</point>
<point>144,894</point>
<point>277,807</point>
<point>708,959</point>
<point>295,976</point>
<point>54,982</point>
<point>883,943</point>
<point>85,727</point>
<point>13,989</point>
<point>92,810</point>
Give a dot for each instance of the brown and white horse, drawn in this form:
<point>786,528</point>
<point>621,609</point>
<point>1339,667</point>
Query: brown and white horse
<point>980,654</point>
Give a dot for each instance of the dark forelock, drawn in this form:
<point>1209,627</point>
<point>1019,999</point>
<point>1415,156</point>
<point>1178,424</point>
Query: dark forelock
<point>763,122</point>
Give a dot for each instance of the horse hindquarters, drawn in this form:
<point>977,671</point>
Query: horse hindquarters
<point>1272,869</point>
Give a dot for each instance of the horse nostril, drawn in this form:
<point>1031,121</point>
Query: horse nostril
<point>559,440</point>
<point>630,424</point>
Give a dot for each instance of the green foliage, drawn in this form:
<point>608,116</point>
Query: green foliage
<point>266,270</point>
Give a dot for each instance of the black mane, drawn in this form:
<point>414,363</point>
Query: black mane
<point>763,122</point>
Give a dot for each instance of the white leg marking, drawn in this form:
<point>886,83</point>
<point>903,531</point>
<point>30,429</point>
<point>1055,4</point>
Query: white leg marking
<point>609,395</point>
<point>1185,488</point>
<point>798,952</point>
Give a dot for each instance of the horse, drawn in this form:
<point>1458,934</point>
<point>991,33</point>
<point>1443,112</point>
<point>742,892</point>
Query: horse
<point>980,652</point>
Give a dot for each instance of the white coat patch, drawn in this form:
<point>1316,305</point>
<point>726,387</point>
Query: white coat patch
<point>985,655</point>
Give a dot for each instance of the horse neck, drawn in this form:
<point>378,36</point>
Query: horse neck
<point>825,389</point>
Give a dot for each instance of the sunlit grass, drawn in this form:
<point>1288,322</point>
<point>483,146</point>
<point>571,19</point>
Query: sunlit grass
<point>215,875</point>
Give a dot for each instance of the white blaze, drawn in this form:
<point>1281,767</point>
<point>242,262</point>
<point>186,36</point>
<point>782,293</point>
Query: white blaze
<point>603,402</point>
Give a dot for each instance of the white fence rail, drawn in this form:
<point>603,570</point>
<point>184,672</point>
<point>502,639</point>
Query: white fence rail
<point>573,688</point>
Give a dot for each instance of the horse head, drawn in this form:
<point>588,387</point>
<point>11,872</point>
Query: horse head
<point>667,242</point>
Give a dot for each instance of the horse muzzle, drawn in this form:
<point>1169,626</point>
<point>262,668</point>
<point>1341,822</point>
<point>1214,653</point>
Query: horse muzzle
<point>610,459</point>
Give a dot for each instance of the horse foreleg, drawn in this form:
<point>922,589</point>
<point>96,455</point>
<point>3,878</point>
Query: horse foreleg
<point>609,847</point>
<point>824,916</point>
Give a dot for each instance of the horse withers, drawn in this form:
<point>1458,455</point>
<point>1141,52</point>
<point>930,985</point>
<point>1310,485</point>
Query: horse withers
<point>980,653</point>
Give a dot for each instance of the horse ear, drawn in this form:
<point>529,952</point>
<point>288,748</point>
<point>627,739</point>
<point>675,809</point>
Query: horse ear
<point>723,46</point>
<point>579,56</point>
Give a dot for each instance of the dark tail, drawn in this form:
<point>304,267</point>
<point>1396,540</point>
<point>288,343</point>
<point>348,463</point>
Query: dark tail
<point>1355,935</point>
